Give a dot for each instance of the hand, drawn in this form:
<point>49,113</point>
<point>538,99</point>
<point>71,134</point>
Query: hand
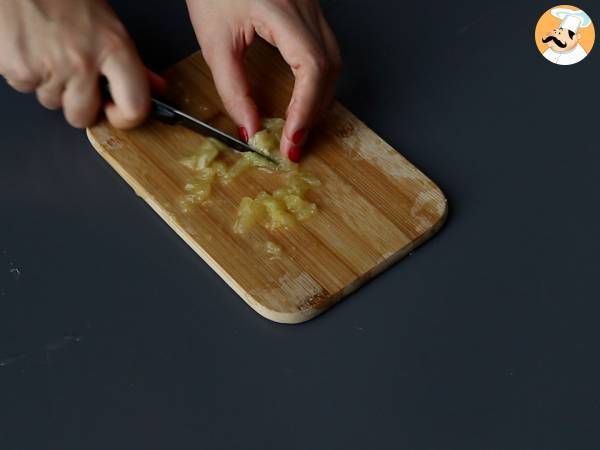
<point>225,28</point>
<point>59,49</point>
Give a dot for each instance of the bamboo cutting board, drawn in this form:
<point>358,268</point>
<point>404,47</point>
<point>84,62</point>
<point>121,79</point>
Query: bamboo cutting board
<point>374,206</point>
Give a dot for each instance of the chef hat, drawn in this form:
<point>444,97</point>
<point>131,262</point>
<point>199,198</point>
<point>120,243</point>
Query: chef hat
<point>572,19</point>
<point>571,23</point>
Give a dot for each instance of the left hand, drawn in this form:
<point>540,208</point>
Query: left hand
<point>225,28</point>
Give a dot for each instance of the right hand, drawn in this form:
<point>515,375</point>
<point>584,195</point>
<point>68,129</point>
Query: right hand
<point>60,48</point>
<point>225,28</point>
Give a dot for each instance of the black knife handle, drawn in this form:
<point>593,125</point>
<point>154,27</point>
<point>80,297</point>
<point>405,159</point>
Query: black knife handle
<point>164,112</point>
<point>160,110</point>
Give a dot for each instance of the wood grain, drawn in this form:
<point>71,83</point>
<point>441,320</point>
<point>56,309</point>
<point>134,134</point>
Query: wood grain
<point>374,205</point>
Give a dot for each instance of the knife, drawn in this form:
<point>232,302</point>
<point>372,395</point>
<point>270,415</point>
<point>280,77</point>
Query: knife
<point>172,116</point>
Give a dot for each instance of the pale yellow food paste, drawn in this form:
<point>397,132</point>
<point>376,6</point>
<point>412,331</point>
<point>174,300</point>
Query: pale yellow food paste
<point>281,209</point>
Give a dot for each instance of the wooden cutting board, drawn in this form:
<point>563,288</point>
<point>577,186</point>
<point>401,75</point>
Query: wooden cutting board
<point>374,205</point>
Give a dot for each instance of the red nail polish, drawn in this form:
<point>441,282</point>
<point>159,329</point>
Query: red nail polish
<point>297,137</point>
<point>294,154</point>
<point>243,134</point>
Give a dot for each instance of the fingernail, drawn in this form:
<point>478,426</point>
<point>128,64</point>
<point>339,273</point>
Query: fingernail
<point>298,136</point>
<point>294,154</point>
<point>243,134</point>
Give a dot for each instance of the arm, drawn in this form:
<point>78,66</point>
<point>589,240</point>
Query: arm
<point>225,28</point>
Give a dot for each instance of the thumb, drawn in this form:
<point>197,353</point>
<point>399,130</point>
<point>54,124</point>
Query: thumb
<point>227,66</point>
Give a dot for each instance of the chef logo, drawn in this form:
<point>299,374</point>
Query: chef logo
<point>565,35</point>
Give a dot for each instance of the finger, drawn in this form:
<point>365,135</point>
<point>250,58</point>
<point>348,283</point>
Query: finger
<point>305,55</point>
<point>314,20</point>
<point>50,93</point>
<point>226,62</point>
<point>23,81</point>
<point>23,86</point>
<point>334,55</point>
<point>129,87</point>
<point>81,101</point>
<point>310,15</point>
<point>19,75</point>
<point>157,83</point>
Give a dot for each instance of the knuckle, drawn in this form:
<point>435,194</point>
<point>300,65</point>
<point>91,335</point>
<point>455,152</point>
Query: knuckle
<point>228,103</point>
<point>3,66</point>
<point>135,113</point>
<point>318,62</point>
<point>48,101</point>
<point>81,61</point>
<point>231,103</point>
<point>114,41</point>
<point>206,54</point>
<point>25,89</point>
<point>237,105</point>
<point>208,51</point>
<point>22,74</point>
<point>78,119</point>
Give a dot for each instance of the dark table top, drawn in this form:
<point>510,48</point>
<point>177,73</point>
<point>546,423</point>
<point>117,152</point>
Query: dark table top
<point>114,334</point>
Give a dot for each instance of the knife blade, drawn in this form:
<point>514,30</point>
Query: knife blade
<point>172,116</point>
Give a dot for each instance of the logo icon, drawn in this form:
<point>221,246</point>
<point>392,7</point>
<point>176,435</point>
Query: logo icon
<point>565,35</point>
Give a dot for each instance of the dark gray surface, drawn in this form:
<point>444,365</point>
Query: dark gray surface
<point>116,335</point>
